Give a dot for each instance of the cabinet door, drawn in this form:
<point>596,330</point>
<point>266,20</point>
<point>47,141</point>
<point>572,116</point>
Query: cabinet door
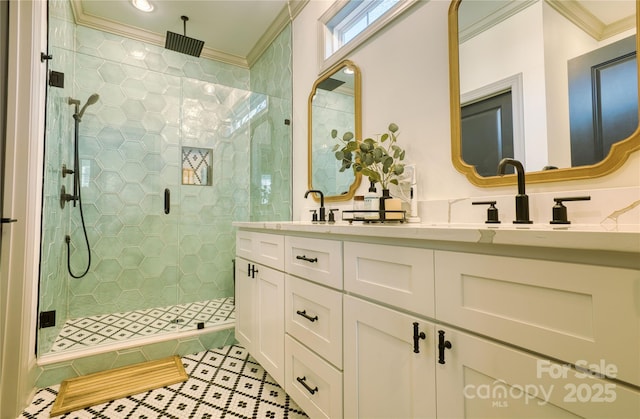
<point>269,321</point>
<point>485,379</point>
<point>260,315</point>
<point>245,303</point>
<point>383,376</point>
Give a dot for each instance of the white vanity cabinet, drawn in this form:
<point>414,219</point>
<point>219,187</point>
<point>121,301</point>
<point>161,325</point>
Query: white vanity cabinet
<point>400,322</point>
<point>480,378</point>
<point>260,299</point>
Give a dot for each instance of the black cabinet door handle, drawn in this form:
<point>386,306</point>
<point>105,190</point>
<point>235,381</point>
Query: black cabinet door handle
<point>417,335</point>
<point>8,220</point>
<point>167,201</point>
<point>251,270</point>
<point>442,345</point>
<point>303,257</point>
<point>305,385</point>
<point>304,314</point>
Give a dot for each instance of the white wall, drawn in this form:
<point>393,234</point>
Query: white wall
<point>520,51</point>
<point>405,79</point>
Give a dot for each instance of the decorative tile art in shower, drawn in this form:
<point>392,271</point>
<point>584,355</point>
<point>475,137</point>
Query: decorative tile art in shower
<point>196,166</point>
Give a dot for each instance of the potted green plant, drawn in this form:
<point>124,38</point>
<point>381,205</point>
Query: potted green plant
<point>380,160</point>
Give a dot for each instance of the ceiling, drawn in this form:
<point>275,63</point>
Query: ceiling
<point>233,31</point>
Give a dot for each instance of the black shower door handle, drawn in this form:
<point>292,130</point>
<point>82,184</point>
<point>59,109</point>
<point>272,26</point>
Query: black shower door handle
<point>167,201</point>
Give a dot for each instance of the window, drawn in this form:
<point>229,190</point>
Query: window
<point>348,23</point>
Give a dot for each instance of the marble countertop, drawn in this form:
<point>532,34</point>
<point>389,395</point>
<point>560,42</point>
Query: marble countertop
<point>614,237</point>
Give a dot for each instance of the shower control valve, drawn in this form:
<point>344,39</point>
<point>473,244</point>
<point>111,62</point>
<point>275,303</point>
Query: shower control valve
<point>66,171</point>
<point>65,197</point>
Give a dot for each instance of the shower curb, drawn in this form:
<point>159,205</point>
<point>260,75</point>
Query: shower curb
<point>54,373</point>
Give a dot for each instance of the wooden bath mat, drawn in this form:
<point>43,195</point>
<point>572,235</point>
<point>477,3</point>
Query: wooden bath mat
<point>89,390</point>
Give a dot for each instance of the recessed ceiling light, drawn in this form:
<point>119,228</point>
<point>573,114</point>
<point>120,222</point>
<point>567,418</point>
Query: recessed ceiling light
<point>348,70</point>
<point>142,5</point>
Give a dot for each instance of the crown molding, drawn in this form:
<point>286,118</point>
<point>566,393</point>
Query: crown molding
<point>585,20</point>
<point>570,9</point>
<point>487,22</point>
<point>286,15</point>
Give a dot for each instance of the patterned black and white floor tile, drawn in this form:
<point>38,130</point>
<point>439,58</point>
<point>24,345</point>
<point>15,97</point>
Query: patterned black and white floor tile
<point>223,383</point>
<point>108,328</point>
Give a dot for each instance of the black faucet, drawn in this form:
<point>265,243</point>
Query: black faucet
<point>321,216</point>
<point>522,200</point>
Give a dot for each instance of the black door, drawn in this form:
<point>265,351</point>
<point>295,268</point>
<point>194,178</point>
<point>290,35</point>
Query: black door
<point>603,100</point>
<point>487,133</point>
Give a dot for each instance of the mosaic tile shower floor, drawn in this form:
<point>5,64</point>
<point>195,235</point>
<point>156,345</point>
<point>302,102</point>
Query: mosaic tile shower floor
<point>109,328</point>
<point>223,383</point>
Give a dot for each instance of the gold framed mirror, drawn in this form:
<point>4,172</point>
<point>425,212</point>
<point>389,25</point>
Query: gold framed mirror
<point>334,103</point>
<point>619,151</point>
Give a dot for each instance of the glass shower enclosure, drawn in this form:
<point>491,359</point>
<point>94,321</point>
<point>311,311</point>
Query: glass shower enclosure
<point>173,151</point>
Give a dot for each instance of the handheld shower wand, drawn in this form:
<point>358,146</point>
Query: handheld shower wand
<point>77,196</point>
<point>90,101</point>
<point>77,116</point>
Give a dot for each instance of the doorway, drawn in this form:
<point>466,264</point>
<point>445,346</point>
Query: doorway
<point>487,133</point>
<point>603,100</point>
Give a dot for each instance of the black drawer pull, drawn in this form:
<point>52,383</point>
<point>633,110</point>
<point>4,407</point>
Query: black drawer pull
<point>304,314</point>
<point>303,257</point>
<point>309,389</point>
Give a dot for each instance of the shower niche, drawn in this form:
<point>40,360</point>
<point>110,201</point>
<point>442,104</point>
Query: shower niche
<point>196,166</point>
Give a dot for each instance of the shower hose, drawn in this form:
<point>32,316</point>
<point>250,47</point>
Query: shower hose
<point>76,181</point>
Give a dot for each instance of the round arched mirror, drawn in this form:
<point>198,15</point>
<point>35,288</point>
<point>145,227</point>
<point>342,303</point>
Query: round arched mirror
<point>334,103</point>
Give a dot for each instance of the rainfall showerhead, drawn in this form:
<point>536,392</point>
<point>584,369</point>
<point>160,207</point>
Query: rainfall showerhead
<point>182,43</point>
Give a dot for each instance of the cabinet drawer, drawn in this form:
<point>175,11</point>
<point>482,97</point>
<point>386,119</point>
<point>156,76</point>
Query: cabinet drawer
<point>312,382</point>
<point>314,317</point>
<point>566,311</point>
<point>400,276</point>
<point>267,249</point>
<point>314,259</point>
